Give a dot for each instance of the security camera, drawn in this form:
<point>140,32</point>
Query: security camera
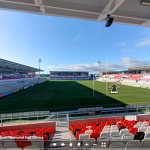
<point>109,21</point>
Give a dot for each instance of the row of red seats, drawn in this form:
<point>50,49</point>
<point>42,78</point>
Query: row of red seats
<point>23,138</point>
<point>44,133</point>
<point>98,127</point>
<point>118,76</point>
<point>130,125</point>
<point>126,76</point>
<point>136,77</point>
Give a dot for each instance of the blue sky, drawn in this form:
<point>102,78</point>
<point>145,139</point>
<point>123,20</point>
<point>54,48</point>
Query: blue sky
<point>69,44</point>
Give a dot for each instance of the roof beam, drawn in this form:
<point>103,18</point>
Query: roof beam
<point>118,3</point>
<point>15,2</point>
<point>146,24</point>
<point>39,3</point>
<point>107,10</point>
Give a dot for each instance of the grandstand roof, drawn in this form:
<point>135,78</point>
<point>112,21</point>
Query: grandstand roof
<point>141,68</point>
<point>5,64</point>
<point>124,11</point>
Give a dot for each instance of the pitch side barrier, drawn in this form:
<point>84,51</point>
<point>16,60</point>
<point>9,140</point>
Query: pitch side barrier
<point>37,116</point>
<point>113,110</point>
<point>100,111</point>
<point>23,115</point>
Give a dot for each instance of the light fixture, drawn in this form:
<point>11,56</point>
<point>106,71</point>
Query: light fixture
<point>145,2</point>
<point>109,21</point>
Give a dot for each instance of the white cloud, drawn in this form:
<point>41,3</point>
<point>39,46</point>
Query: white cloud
<point>75,67</point>
<point>139,42</point>
<point>127,62</point>
<point>122,44</point>
<point>79,36</point>
<point>127,50</point>
<point>143,43</point>
<point>123,63</point>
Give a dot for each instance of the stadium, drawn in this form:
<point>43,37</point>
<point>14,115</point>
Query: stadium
<point>72,108</point>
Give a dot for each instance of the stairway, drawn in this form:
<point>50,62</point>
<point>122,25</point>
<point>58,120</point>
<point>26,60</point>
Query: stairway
<point>62,128</point>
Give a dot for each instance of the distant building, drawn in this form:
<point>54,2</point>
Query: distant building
<point>132,70</point>
<point>44,76</point>
<point>69,75</point>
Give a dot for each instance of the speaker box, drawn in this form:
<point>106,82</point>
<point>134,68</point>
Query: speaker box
<point>109,21</point>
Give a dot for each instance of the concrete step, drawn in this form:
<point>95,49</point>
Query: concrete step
<point>61,124</point>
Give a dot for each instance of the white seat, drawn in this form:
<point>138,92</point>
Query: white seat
<point>32,148</point>
<point>106,126</point>
<point>90,141</point>
<point>9,143</point>
<point>142,129</point>
<point>145,122</point>
<point>13,149</point>
<point>1,143</point>
<point>117,146</point>
<point>115,138</point>
<point>144,125</point>
<point>89,132</point>
<point>104,135</point>
<point>99,142</point>
<point>83,136</point>
<point>127,136</point>
<point>37,142</point>
<point>147,136</point>
<point>138,125</point>
<point>146,144</point>
<point>133,144</point>
<point>148,129</point>
<point>114,127</point>
<point>106,130</point>
<point>114,133</point>
<point>123,131</point>
<point>98,147</point>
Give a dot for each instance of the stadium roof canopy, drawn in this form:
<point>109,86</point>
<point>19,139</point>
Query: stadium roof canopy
<point>124,11</point>
<point>141,68</point>
<point>8,66</point>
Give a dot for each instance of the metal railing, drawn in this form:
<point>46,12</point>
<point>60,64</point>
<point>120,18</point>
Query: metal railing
<point>47,116</point>
<point>23,117</point>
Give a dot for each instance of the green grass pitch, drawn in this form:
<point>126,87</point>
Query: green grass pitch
<point>68,95</point>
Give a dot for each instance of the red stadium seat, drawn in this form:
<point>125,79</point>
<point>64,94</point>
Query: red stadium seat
<point>23,143</point>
